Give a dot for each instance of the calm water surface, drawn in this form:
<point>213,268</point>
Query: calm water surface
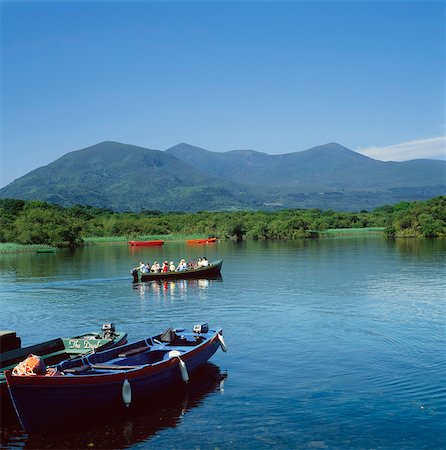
<point>336,343</point>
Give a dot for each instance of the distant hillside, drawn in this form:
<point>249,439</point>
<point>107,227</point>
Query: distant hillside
<point>125,178</point>
<point>242,166</point>
<point>187,178</point>
<point>324,167</point>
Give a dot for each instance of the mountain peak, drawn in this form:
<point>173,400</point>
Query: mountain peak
<point>333,151</point>
<point>185,177</point>
<point>184,146</point>
<point>331,146</point>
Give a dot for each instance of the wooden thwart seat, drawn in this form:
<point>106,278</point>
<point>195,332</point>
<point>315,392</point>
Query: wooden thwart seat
<point>78,369</point>
<point>112,367</point>
<point>133,351</point>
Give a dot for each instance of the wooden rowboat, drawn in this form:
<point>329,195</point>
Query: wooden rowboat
<point>58,350</point>
<point>210,271</point>
<point>145,243</point>
<point>202,241</point>
<point>107,382</point>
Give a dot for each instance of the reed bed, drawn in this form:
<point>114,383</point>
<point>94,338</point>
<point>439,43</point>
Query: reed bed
<point>350,231</point>
<point>10,247</point>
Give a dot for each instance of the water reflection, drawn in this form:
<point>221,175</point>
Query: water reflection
<point>425,248</point>
<point>365,337</point>
<point>173,288</point>
<point>138,424</point>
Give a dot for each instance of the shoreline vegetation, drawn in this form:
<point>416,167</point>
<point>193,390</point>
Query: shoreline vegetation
<point>8,247</point>
<point>29,226</point>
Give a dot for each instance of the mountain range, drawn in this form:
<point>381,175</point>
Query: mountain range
<point>125,177</point>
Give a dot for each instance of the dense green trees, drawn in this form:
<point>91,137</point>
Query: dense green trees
<point>32,222</point>
<point>38,223</point>
<point>415,219</point>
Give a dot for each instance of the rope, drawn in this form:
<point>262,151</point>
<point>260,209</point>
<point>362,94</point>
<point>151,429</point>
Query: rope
<point>23,369</point>
<point>29,365</point>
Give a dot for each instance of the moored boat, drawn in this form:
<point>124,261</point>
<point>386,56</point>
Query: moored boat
<point>146,243</point>
<point>210,271</point>
<point>108,381</point>
<point>46,250</point>
<point>202,241</point>
<point>60,349</point>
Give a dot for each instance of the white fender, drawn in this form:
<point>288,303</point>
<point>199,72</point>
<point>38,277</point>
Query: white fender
<point>222,343</point>
<point>183,368</point>
<point>172,354</point>
<point>126,392</point>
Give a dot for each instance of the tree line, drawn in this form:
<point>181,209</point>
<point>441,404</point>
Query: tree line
<point>36,222</point>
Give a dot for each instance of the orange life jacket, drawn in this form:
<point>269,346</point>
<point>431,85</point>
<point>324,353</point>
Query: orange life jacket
<point>32,365</point>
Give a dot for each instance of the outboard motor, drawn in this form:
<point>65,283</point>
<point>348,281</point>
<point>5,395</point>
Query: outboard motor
<point>108,330</point>
<point>135,275</point>
<point>201,328</point>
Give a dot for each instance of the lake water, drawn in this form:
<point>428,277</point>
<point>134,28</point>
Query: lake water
<point>333,343</point>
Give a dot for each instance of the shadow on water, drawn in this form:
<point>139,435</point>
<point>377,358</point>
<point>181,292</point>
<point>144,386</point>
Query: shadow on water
<point>127,427</point>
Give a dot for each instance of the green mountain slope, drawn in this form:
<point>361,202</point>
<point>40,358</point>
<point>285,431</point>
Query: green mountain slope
<point>125,177</point>
<point>329,166</point>
<point>187,178</point>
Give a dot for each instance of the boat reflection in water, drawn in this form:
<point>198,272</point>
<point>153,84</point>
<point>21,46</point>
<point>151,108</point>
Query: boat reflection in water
<point>164,288</point>
<point>128,427</point>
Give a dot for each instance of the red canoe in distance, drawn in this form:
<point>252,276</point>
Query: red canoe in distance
<point>202,241</point>
<point>145,243</point>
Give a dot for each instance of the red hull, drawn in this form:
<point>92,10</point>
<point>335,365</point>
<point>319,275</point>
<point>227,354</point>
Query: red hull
<point>50,403</point>
<point>201,241</point>
<point>145,243</point>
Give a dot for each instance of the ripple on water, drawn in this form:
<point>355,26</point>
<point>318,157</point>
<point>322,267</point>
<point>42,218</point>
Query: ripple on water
<point>332,344</point>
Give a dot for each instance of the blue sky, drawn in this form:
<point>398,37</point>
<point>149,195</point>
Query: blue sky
<point>275,76</point>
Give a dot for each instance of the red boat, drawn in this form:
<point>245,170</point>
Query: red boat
<point>202,241</point>
<point>145,243</point>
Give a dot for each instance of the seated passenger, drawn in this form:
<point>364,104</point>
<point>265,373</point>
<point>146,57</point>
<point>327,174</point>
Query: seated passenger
<point>154,267</point>
<point>204,262</point>
<point>165,267</point>
<point>140,267</point>
<point>172,266</point>
<point>145,268</point>
<point>182,266</point>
